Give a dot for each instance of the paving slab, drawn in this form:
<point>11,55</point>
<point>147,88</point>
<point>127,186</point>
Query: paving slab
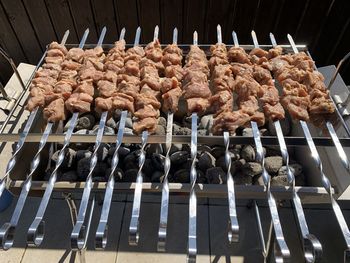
<point>56,245</point>
<point>146,251</point>
<point>248,249</point>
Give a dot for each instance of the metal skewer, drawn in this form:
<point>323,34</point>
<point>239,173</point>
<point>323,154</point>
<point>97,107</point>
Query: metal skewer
<point>134,222</point>
<point>8,229</point>
<point>102,229</point>
<point>325,181</point>
<point>281,250</point>
<point>192,222</point>
<point>79,233</point>
<point>162,231</point>
<point>344,159</point>
<point>311,245</point>
<point>233,227</point>
<point>11,164</point>
<point>36,230</point>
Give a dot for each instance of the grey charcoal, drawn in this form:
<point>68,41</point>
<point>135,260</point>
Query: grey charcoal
<point>251,169</point>
<point>123,151</point>
<point>247,132</point>
<point>117,114</point>
<point>86,122</point>
<point>202,132</point>
<point>175,147</point>
<point>201,178</point>
<point>187,122</point>
<point>216,175</point>
<point>107,130</point>
<point>203,148</point>
<point>112,123</point>
<point>128,131</point>
<point>242,179</point>
<point>68,160</point>
<point>160,130</point>
<point>300,180</point>
<point>128,123</point>
<point>237,165</point>
<point>217,151</point>
<point>220,162</point>
<point>279,180</point>
<point>206,161</point>
<point>83,131</point>
<point>154,148</point>
<point>130,175</point>
<point>273,164</point>
<point>206,122</point>
<point>179,157</point>
<point>80,154</point>
<point>148,168</point>
<point>157,176</point>
<point>158,161</point>
<point>83,169</point>
<point>102,152</point>
<point>178,130</point>
<point>99,179</point>
<point>69,176</point>
<point>248,153</point>
<point>182,176</point>
<point>65,128</point>
<point>162,122</point>
<point>295,168</point>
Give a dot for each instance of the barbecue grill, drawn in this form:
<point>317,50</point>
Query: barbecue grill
<point>328,180</point>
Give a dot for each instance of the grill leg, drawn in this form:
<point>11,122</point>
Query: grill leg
<point>73,215</point>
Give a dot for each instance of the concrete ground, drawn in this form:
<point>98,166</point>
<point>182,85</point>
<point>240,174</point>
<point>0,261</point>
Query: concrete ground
<point>212,226</point>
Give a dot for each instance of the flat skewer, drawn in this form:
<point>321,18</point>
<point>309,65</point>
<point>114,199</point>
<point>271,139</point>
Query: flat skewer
<point>11,164</point>
<point>192,221</point>
<point>281,250</point>
<point>79,232</point>
<point>163,222</point>
<point>8,229</point>
<point>102,228</point>
<point>311,245</point>
<point>134,222</point>
<point>233,227</point>
<point>325,181</point>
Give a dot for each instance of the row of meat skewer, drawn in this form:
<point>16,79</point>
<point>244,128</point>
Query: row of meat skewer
<point>145,80</point>
<point>238,87</point>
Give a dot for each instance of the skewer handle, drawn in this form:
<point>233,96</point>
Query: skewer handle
<point>36,230</point>
<point>281,249</point>
<point>134,222</point>
<point>233,233</point>
<point>162,231</point>
<point>78,236</point>
<point>101,233</point>
<point>192,222</point>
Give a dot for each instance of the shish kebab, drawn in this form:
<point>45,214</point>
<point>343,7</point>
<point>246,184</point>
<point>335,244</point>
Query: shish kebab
<point>222,85</point>
<point>344,159</point>
<point>36,230</point>
<point>172,57</point>
<point>197,93</point>
<point>116,54</point>
<point>44,92</point>
<point>281,249</point>
<point>100,78</point>
<point>311,245</point>
<point>146,111</point>
<point>46,68</point>
<point>314,153</point>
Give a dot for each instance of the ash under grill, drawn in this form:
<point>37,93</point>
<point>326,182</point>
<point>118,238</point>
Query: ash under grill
<point>211,156</point>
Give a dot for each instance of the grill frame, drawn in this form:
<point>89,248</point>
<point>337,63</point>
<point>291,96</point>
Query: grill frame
<point>309,194</point>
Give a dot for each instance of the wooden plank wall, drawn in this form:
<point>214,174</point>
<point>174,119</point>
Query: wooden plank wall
<point>27,26</point>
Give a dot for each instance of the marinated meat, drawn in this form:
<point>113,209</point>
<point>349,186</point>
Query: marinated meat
<point>55,111</point>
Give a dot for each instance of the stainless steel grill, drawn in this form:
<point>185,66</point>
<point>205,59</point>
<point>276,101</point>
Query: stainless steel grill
<point>320,173</point>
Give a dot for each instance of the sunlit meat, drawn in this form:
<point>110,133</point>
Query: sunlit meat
<point>238,55</point>
<point>55,111</point>
<point>79,102</point>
